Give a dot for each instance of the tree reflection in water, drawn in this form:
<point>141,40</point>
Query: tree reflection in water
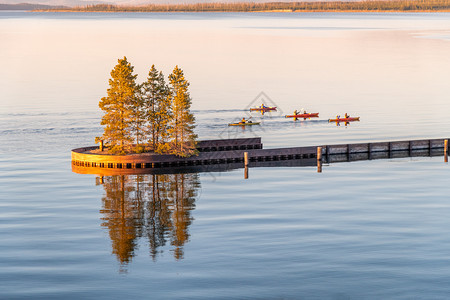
<point>154,206</point>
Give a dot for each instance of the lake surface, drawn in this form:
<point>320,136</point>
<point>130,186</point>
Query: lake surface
<point>360,230</point>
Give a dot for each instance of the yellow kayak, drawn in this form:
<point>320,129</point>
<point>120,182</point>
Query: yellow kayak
<point>244,123</point>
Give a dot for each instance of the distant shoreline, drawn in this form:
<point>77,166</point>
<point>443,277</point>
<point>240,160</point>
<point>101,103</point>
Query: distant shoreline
<point>29,6</point>
<point>260,11</point>
<point>412,6</point>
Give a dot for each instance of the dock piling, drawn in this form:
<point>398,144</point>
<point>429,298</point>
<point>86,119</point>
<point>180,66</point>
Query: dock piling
<point>319,153</point>
<point>319,159</point>
<point>245,159</point>
<point>446,150</point>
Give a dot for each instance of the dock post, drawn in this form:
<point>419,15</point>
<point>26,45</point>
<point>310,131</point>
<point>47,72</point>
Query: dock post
<point>319,159</point>
<point>245,165</point>
<point>101,145</point>
<point>446,150</point>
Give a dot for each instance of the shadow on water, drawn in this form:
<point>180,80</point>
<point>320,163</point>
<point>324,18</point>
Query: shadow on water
<point>152,207</point>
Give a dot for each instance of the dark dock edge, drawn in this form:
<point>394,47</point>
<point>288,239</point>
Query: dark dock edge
<point>231,151</point>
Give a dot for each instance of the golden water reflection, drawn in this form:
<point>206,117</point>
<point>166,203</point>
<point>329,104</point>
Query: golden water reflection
<point>154,207</point>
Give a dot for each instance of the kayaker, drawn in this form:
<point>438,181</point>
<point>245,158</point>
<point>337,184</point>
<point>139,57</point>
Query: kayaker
<point>263,106</point>
<point>295,112</point>
<point>338,117</point>
<point>243,120</point>
<point>347,116</point>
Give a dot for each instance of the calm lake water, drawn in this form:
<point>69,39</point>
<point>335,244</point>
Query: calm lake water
<point>361,230</point>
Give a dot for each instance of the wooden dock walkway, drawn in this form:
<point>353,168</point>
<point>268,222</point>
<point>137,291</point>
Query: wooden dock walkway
<point>231,151</point>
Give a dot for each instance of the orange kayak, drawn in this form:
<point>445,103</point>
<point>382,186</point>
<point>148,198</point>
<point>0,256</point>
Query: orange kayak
<point>308,115</point>
<point>344,119</point>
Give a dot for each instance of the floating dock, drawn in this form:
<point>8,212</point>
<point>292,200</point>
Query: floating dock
<point>230,154</point>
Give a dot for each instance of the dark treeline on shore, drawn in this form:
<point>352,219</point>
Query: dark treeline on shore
<point>30,6</point>
<point>400,5</point>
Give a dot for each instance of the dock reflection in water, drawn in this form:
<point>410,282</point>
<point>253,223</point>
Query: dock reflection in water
<point>154,207</point>
<point>158,207</point>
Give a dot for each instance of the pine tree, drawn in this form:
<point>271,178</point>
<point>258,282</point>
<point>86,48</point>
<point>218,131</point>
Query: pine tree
<point>118,107</point>
<point>156,103</point>
<point>181,131</point>
<point>138,120</point>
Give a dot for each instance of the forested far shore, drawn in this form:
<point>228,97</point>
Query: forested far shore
<point>30,6</point>
<point>344,6</point>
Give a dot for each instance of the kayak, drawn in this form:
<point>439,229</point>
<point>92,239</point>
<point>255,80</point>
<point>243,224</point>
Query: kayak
<point>244,124</point>
<point>307,115</point>
<point>351,119</point>
<point>263,108</point>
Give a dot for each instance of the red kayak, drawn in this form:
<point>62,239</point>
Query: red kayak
<point>263,108</point>
<point>304,116</point>
<point>344,119</point>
